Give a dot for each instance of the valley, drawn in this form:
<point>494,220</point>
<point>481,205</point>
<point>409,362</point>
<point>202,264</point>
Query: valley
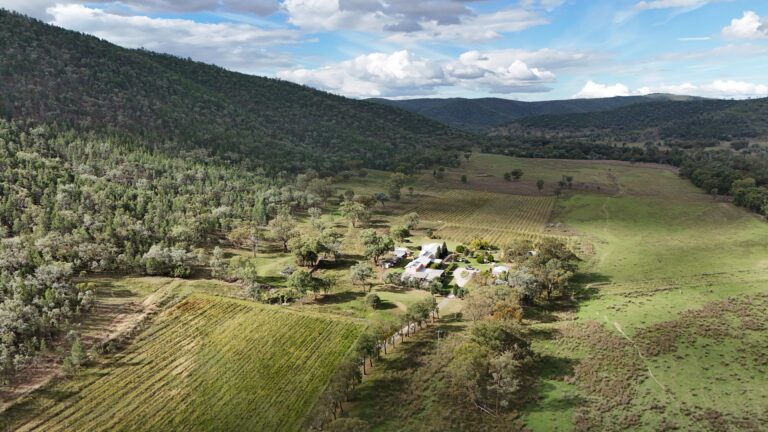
<point>278,239</point>
<point>652,275</point>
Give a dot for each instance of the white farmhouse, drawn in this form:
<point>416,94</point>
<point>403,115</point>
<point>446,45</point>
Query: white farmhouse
<point>431,250</point>
<point>418,268</point>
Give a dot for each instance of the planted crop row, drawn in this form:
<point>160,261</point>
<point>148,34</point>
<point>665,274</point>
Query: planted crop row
<point>210,363</point>
<point>499,218</point>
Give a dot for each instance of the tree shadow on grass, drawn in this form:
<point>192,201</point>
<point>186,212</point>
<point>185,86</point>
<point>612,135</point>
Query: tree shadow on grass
<point>378,223</point>
<point>341,264</point>
<point>393,289</point>
<point>340,297</point>
<point>271,280</point>
<point>584,285</point>
<point>552,368</point>
<point>539,333</point>
<point>386,305</point>
<point>539,314</point>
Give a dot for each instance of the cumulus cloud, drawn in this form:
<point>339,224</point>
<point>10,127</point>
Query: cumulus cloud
<point>749,26</point>
<point>239,47</point>
<point>669,4</point>
<point>594,90</point>
<point>428,19</point>
<point>403,73</point>
<point>477,28</point>
<point>39,8</point>
<point>714,89</point>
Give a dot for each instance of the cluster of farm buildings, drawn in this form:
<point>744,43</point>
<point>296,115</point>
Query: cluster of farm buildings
<point>428,265</point>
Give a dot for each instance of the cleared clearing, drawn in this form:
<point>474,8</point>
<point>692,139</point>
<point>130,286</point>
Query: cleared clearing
<point>208,363</point>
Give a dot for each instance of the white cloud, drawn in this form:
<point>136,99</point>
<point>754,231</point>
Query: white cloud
<point>239,47</point>
<point>694,39</point>
<point>39,8</point>
<point>403,73</point>
<point>411,20</point>
<point>733,89</point>
<point>478,27</point>
<point>669,4</point>
<point>544,58</point>
<point>34,8</point>
<point>715,89</point>
<point>594,90</point>
<point>749,26</point>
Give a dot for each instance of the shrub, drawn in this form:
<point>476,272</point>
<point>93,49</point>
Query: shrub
<point>373,301</point>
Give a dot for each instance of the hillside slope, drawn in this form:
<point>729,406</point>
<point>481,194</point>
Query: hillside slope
<point>48,74</point>
<point>484,113</point>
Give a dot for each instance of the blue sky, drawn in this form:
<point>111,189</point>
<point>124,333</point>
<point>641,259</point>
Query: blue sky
<point>521,49</point>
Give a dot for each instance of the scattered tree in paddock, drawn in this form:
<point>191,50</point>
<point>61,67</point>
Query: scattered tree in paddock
<point>218,263</point>
<point>381,198</point>
<point>412,220</point>
<point>355,212</point>
<point>302,281</point>
<point>395,184</point>
<point>283,228</point>
<point>246,236</point>
<point>361,275</point>
<point>399,233</point>
<point>375,244</point>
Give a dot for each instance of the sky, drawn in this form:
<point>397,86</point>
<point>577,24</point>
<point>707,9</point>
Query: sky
<point>514,49</point>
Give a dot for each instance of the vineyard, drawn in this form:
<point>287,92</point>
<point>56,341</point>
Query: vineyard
<point>208,363</point>
<point>499,218</point>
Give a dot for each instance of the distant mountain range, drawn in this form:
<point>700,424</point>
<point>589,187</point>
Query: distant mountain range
<point>697,119</point>
<point>486,113</point>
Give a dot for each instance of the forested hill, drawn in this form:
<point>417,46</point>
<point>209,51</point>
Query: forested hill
<point>702,119</point>
<point>52,75</point>
<point>485,113</point>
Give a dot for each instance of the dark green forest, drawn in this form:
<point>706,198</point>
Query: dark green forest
<point>698,119</point>
<point>480,115</point>
<point>49,75</point>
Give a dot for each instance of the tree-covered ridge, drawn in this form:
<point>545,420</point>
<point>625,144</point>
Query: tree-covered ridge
<point>51,75</point>
<point>706,119</point>
<point>486,113</point>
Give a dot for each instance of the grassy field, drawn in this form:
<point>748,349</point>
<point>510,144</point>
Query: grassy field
<point>208,363</point>
<point>661,249</point>
<point>664,265</point>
